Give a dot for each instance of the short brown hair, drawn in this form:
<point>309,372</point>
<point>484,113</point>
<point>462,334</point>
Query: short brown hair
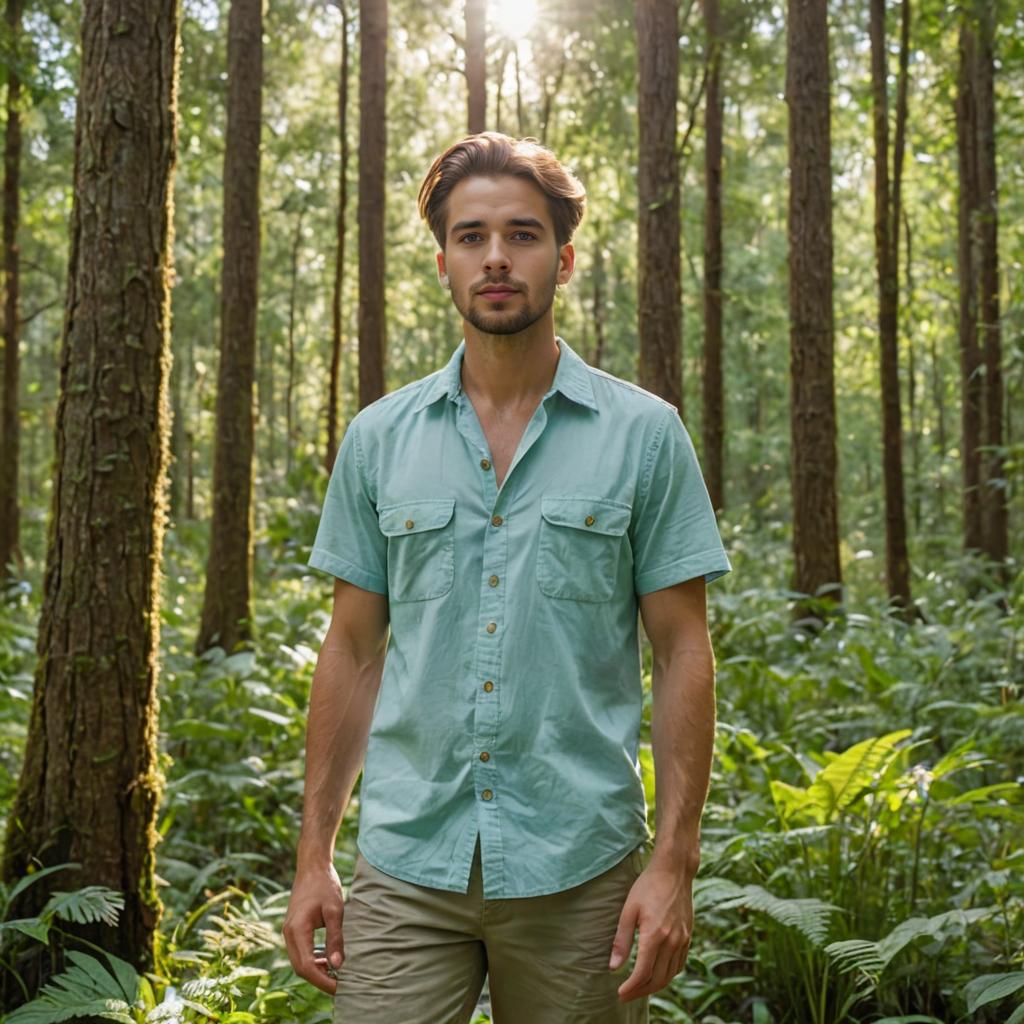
<point>489,154</point>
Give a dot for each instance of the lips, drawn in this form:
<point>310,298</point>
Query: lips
<point>497,293</point>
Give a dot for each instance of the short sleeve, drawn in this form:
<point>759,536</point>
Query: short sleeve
<point>675,533</point>
<point>349,543</point>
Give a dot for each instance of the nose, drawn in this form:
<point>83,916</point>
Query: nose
<point>496,256</point>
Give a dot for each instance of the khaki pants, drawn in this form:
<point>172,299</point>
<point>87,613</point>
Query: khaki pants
<point>418,955</point>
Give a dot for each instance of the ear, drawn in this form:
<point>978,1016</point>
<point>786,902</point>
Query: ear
<point>566,263</point>
<point>442,273</point>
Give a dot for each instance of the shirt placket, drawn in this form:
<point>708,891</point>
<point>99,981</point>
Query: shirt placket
<point>490,629</point>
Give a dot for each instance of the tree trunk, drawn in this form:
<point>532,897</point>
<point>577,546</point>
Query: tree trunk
<point>714,410</point>
<point>970,354</point>
<point>10,546</point>
<point>373,42</point>
<point>90,783</point>
<point>289,391</point>
<point>476,77</point>
<point>812,402</point>
<point>887,212</point>
<point>658,224</point>
<point>339,264</point>
<point>226,606</point>
<point>995,527</point>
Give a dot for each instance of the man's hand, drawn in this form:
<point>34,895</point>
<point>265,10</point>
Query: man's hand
<point>661,903</point>
<point>316,902</point>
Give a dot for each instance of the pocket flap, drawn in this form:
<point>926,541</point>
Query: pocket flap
<point>593,515</point>
<point>415,516</point>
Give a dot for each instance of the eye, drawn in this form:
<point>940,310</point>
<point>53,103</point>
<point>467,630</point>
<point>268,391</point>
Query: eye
<point>471,234</point>
<point>527,234</point>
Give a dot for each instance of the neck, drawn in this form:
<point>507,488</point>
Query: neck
<point>508,371</point>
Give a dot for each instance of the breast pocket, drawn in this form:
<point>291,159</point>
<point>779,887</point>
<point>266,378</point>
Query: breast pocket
<point>581,542</point>
<point>421,548</point>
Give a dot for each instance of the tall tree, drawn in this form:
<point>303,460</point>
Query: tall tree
<point>995,527</point>
<point>373,51</point>
<point>10,442</point>
<point>811,332</point>
<point>476,78</point>
<point>970,353</point>
<point>226,618</point>
<point>887,233</point>
<point>714,411</point>
<point>339,262</point>
<point>658,224</point>
<point>90,782</point>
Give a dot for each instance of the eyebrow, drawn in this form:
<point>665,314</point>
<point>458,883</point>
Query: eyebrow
<point>515,222</point>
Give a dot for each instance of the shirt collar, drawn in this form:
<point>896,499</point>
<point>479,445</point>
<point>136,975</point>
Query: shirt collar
<point>572,378</point>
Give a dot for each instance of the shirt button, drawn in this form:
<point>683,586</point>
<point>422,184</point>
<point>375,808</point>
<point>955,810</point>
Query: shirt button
<point>488,686</point>
<point>409,524</point>
<point>496,521</point>
<point>589,520</point>
<point>493,581</point>
<point>485,464</point>
<point>491,627</point>
<point>487,794</point>
<point>485,756</point>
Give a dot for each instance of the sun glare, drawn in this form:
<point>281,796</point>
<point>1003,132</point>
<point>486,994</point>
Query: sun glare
<point>513,18</point>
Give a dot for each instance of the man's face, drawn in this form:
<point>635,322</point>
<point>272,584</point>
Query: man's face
<point>501,256</point>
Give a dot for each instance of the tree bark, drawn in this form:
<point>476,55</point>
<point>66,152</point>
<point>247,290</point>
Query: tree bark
<point>970,354</point>
<point>293,295</point>
<point>10,443</point>
<point>476,76</point>
<point>714,408</point>
<point>90,783</point>
<point>226,618</point>
<point>339,264</point>
<point>995,526</point>
<point>887,213</point>
<point>658,223</point>
<point>373,38</point>
<point>812,401</point>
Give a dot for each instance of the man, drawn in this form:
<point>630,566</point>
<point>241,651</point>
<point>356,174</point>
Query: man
<point>507,516</point>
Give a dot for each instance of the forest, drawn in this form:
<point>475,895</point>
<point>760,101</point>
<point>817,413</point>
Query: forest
<point>804,229</point>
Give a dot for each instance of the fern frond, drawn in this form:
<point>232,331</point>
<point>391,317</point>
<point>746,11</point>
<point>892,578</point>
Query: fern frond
<point>857,955</point>
<point>842,780</point>
<point>86,905</point>
<point>809,916</point>
<point>86,989</point>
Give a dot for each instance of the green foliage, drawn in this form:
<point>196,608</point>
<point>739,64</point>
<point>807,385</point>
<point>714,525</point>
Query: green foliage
<point>87,989</point>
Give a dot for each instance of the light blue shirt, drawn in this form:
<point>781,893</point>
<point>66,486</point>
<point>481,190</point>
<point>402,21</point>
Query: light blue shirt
<point>511,696</point>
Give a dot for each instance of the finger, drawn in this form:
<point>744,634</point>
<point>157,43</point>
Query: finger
<point>681,957</point>
<point>298,937</point>
<point>623,941</point>
<point>661,973</point>
<point>647,952</point>
<point>333,916</point>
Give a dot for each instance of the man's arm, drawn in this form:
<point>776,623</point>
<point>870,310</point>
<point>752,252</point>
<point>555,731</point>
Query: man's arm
<point>682,718</point>
<point>682,737</point>
<point>345,685</point>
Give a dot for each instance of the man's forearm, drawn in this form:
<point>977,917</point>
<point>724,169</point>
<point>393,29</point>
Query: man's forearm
<point>341,705</point>
<point>683,739</point>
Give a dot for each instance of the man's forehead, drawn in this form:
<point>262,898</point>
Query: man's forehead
<point>503,198</point>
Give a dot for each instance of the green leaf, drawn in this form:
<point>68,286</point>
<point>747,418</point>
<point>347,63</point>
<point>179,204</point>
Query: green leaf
<point>34,877</point>
<point>30,926</point>
<point>841,781</point>
<point>92,903</point>
<point>990,987</point>
<point>84,990</point>
<point>809,916</point>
